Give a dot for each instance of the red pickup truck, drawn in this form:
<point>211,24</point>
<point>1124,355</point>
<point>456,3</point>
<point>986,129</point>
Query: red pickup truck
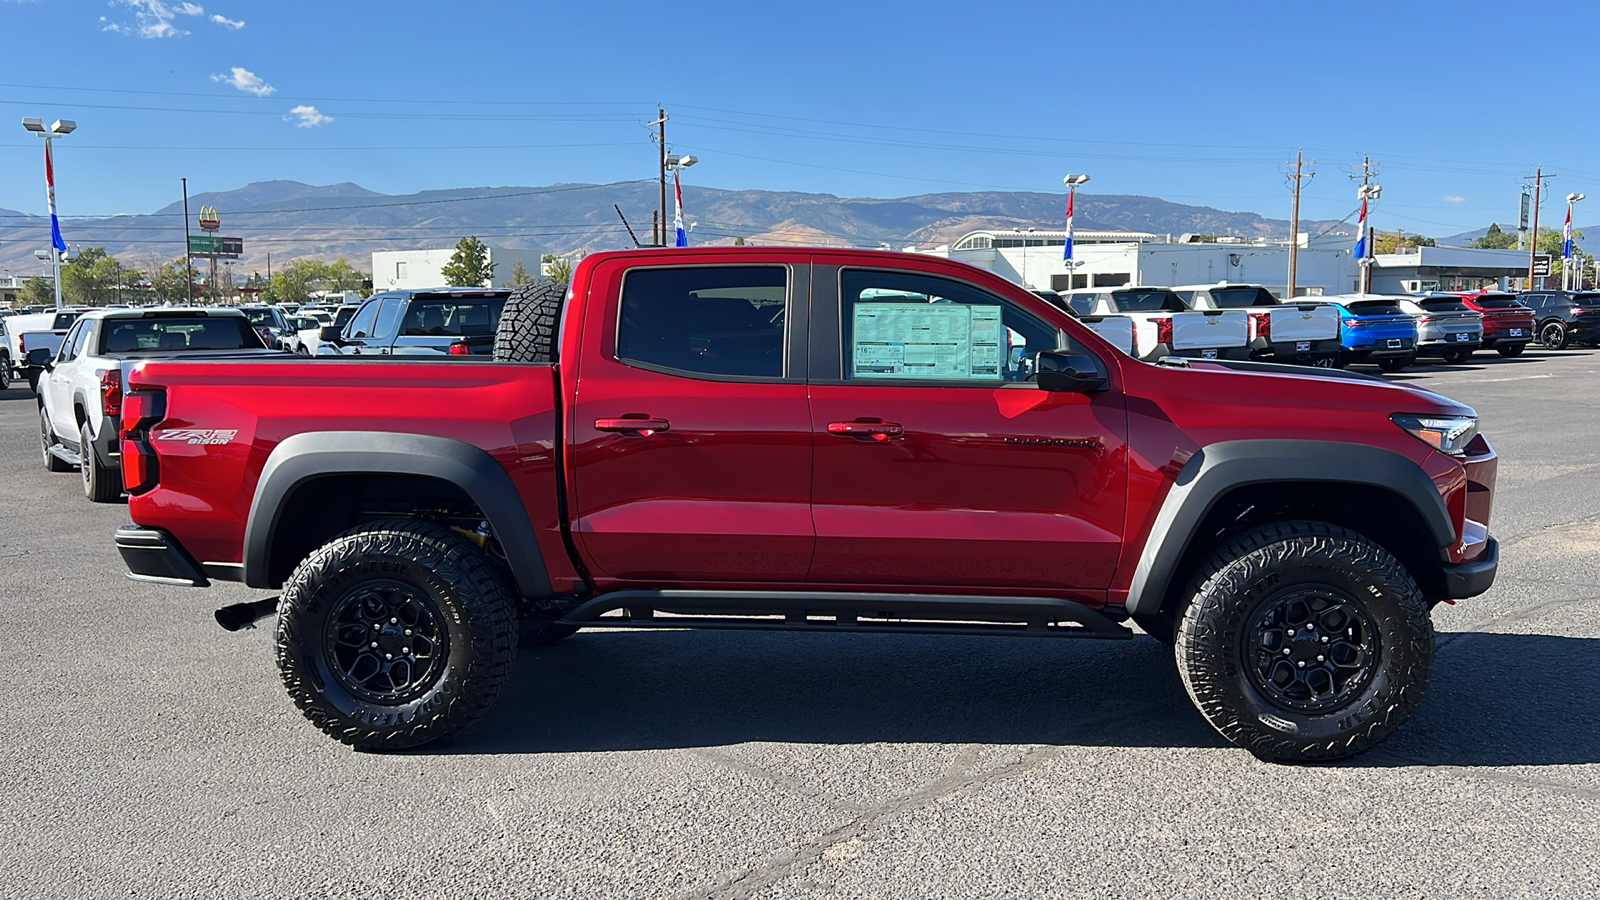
<point>814,440</point>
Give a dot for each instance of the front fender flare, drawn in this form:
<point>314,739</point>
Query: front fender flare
<point>1221,467</point>
<point>304,457</point>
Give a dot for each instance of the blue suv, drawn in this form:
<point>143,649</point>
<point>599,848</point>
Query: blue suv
<point>1373,329</point>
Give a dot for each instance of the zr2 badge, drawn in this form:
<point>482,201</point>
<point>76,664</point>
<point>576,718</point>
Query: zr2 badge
<point>198,436</point>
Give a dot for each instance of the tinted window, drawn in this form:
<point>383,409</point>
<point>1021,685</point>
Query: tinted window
<point>1498,301</point>
<point>1141,300</point>
<point>448,316</point>
<point>387,313</point>
<point>155,335</point>
<point>64,320</point>
<point>1586,299</point>
<point>262,318</point>
<point>713,321</point>
<point>361,325</point>
<point>1241,297</point>
<point>904,325</point>
<point>1444,304</point>
<point>343,316</point>
<point>72,343</point>
<point>1375,308</point>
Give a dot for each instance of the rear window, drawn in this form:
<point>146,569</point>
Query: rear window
<point>1375,308</point>
<point>452,316</point>
<point>261,318</point>
<point>1444,304</point>
<point>1579,299</point>
<point>178,333</point>
<point>1498,301</point>
<point>64,320</point>
<point>344,315</point>
<point>1241,297</point>
<point>1137,300</point>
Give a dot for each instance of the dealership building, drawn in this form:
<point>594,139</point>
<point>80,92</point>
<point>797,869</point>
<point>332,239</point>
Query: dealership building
<point>414,270</point>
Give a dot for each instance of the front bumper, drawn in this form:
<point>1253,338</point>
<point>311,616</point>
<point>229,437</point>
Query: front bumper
<point>1474,576</point>
<point>154,555</point>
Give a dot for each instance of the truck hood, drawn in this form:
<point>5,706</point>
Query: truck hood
<point>1258,385</point>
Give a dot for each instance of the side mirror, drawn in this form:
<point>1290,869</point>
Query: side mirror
<point>42,357</point>
<point>329,334</point>
<point>1061,371</point>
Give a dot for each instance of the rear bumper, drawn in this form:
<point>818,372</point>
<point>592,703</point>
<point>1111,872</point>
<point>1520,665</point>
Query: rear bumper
<point>1437,347</point>
<point>1305,350</point>
<point>154,555</point>
<point>1474,576</point>
<point>1240,353</point>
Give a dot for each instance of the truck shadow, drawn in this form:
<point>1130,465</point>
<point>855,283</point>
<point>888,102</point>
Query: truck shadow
<point>1495,699</point>
<point>18,391</point>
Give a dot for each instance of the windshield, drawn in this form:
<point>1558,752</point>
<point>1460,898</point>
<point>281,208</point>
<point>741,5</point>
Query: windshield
<point>1444,304</point>
<point>1151,300</point>
<point>1241,297</point>
<point>176,333</point>
<point>1375,308</point>
<point>1498,301</point>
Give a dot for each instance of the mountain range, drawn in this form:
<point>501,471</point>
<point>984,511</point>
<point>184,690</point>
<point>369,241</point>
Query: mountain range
<point>288,219</point>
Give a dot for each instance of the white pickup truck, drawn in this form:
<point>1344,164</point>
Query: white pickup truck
<point>1163,325</point>
<point>1117,330</point>
<point>1282,332</point>
<point>32,332</point>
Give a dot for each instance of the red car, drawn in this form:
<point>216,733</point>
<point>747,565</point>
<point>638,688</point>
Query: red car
<point>1508,326</point>
<point>819,441</point>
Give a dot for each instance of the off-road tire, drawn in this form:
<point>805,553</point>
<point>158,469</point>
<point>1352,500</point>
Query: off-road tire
<point>1394,363</point>
<point>52,463</point>
<point>100,483</point>
<point>1510,350</point>
<point>473,610</point>
<point>1255,572</point>
<point>544,632</point>
<point>527,331</point>
<point>1554,336</point>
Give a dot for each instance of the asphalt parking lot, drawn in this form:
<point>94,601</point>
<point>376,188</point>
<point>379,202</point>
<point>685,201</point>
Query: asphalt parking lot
<point>146,752</point>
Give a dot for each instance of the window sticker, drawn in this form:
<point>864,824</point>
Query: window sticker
<point>936,341</point>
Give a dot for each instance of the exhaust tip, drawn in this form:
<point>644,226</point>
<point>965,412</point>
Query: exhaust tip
<point>240,616</point>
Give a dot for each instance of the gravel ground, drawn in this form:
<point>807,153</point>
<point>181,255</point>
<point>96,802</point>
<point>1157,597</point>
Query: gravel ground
<point>150,753</point>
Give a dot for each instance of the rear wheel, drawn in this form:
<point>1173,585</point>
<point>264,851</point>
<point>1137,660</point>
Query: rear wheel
<point>100,484</point>
<point>1395,363</point>
<point>527,330</point>
<point>1305,642</point>
<point>1510,350</point>
<point>1554,336</point>
<point>47,440</point>
<point>395,634</point>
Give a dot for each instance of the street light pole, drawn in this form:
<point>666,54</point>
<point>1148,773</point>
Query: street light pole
<point>677,164</point>
<point>1566,247</point>
<point>58,128</point>
<point>1072,182</point>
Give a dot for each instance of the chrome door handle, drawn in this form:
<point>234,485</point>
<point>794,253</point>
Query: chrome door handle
<point>633,423</point>
<point>868,429</point>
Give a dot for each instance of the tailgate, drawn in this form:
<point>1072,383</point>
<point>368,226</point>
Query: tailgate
<point>1305,322</point>
<point>1210,329</point>
<point>1117,330</point>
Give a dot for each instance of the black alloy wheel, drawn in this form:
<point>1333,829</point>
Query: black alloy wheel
<point>1554,336</point>
<point>386,641</point>
<point>1315,648</point>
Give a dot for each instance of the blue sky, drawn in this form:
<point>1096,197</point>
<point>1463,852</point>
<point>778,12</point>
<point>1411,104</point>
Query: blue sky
<point>1194,102</point>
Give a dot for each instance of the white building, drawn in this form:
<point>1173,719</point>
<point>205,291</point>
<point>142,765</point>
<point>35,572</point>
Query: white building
<point>412,270</point>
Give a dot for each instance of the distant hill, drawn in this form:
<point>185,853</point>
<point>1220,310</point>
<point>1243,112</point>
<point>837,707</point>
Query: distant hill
<point>289,219</point>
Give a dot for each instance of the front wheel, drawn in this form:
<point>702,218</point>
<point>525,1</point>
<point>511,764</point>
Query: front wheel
<point>394,634</point>
<point>1554,336</point>
<point>1510,350</point>
<point>1305,642</point>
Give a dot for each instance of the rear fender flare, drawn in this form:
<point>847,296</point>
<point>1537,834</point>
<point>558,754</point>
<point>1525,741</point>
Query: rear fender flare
<point>1219,468</point>
<point>304,457</point>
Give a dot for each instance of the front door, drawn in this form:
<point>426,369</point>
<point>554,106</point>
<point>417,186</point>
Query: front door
<point>938,462</point>
<point>690,436</point>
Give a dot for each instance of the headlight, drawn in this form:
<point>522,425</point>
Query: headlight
<point>1447,434</point>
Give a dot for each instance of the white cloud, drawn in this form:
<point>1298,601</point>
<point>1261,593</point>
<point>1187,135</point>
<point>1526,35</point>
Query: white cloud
<point>1452,198</point>
<point>307,117</point>
<point>247,81</point>
<point>154,18</point>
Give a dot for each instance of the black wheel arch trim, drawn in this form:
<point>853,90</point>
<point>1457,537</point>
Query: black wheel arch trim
<point>305,457</point>
<point>1219,468</point>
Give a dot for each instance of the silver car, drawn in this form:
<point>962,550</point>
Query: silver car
<point>1446,326</point>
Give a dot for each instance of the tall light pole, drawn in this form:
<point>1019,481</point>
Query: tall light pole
<point>1072,182</point>
<point>58,128</point>
<point>1566,246</point>
<point>1369,191</point>
<point>677,164</point>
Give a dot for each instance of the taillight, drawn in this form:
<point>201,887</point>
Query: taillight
<point>140,411</point>
<point>460,348</point>
<point>1351,323</point>
<point>1263,324</point>
<point>22,346</point>
<point>1164,330</point>
<point>1427,318</point>
<point>111,393</point>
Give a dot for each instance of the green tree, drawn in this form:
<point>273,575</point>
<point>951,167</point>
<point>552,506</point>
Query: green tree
<point>558,270</point>
<point>519,274</point>
<point>1495,239</point>
<point>1551,242</point>
<point>1392,241</point>
<point>295,282</point>
<point>37,291</point>
<point>93,278</point>
<point>469,266</point>
<point>167,280</point>
<point>339,275</point>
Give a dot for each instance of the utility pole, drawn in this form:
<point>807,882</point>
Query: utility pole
<point>659,230</point>
<point>1299,176</point>
<point>1539,178</point>
<point>1368,191</point>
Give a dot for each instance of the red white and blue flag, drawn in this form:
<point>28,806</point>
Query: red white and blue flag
<point>1361,232</point>
<point>1566,235</point>
<point>50,190</point>
<point>1067,252</point>
<point>677,215</point>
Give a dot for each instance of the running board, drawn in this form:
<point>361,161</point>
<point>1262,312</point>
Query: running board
<point>65,455</point>
<point>842,611</point>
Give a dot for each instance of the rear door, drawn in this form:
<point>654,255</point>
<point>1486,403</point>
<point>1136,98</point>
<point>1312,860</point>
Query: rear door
<point>938,462</point>
<point>690,434</point>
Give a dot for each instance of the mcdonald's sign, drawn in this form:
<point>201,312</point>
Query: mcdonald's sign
<point>209,219</point>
